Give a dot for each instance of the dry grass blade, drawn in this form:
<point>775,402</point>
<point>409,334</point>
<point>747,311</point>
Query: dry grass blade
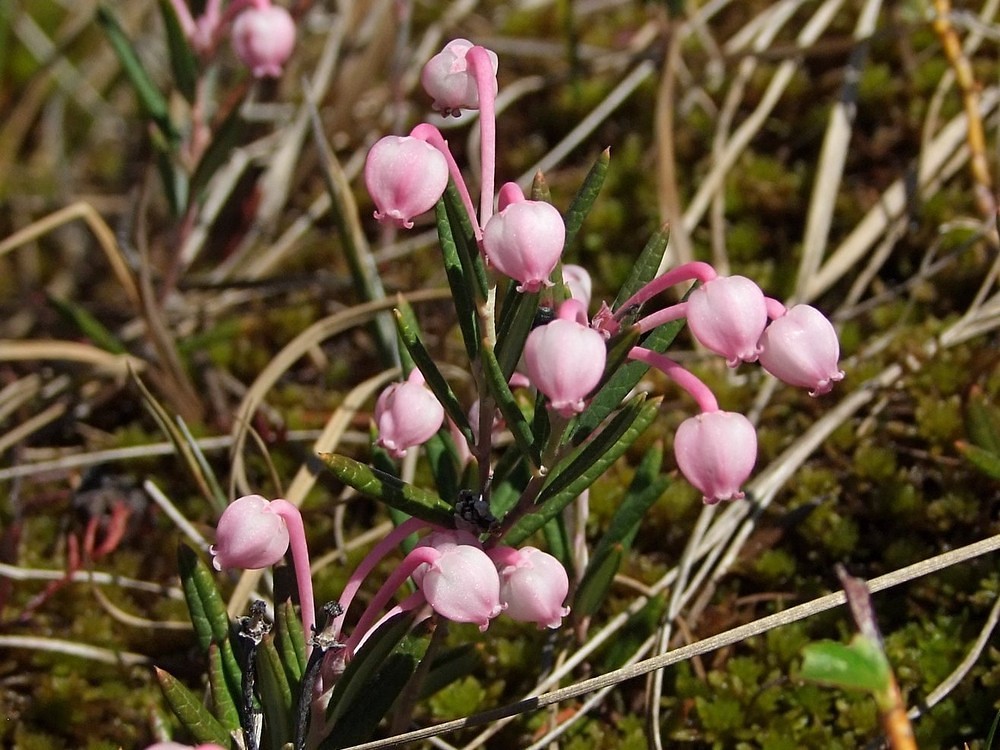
<point>117,365</point>
<point>71,648</point>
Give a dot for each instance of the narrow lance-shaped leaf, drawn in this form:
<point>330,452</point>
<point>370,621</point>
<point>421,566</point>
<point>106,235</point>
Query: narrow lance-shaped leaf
<point>516,318</point>
<point>646,487</point>
<point>208,612</point>
<point>193,714</point>
<point>465,243</point>
<point>88,325</point>
<point>223,699</point>
<point>390,490</point>
<point>982,422</point>
<point>986,461</point>
<point>409,333</point>
<point>645,266</point>
<point>582,468</point>
<point>459,282</point>
<point>275,694</point>
<point>290,641</point>
<point>183,63</point>
<point>585,197</point>
<point>516,423</point>
<point>150,97</point>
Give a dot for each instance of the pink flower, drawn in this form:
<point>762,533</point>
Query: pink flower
<point>524,242</point>
<point>405,176</point>
<point>716,451</point>
<point>801,348</point>
<point>727,315</point>
<point>565,359</point>
<point>577,282</point>
<point>448,80</point>
<point>263,39</point>
<point>407,414</point>
<point>462,583</point>
<point>250,535</point>
<point>533,585</point>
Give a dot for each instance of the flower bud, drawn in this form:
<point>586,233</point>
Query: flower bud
<point>524,242</point>
<point>405,176</point>
<point>727,315</point>
<point>263,38</point>
<point>249,535</point>
<point>533,585</point>
<point>462,584</point>
<point>448,80</point>
<point>407,414</point>
<point>716,451</point>
<point>565,360</point>
<point>801,348</point>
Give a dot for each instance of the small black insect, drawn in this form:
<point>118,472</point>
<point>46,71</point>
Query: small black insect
<point>472,512</point>
<point>543,316</point>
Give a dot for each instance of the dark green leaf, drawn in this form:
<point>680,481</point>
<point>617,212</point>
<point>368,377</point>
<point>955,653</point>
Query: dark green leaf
<point>516,423</point>
<point>390,490</point>
<point>588,462</point>
<point>208,612</point>
<point>451,665</point>
<point>465,243</point>
<point>557,541</point>
<point>516,318</point>
<point>183,63</point>
<point>645,266</point>
<point>986,461</point>
<point>223,700</point>
<point>88,325</point>
<point>460,283</point>
<point>585,197</point>
<point>982,422</point>
<point>192,713</point>
<point>275,694</point>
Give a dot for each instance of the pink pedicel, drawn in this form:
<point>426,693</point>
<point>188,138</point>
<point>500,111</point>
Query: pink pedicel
<point>263,38</point>
<point>716,451</point>
<point>447,79</point>
<point>250,535</point>
<point>533,585</point>
<point>727,316</point>
<point>462,583</point>
<point>565,359</point>
<point>405,176</point>
<point>407,414</point>
<point>801,348</point>
<point>524,242</point>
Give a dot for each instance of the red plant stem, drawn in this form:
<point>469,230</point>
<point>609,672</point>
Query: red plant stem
<point>300,560</point>
<point>430,134</point>
<point>684,378</point>
<point>696,270</point>
<point>667,314</point>
<point>482,68</point>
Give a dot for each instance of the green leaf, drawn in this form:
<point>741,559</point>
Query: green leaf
<point>224,703</point>
<point>225,138</point>
<point>505,401</point>
<point>390,490</point>
<point>982,422</point>
<point>459,281</point>
<point>465,243</point>
<point>364,666</point>
<point>540,188</point>
<point>443,459</point>
<point>374,701</point>
<point>646,488</point>
<point>986,461</point>
<point>609,396</point>
<point>183,63</point>
<point>582,468</point>
<point>557,541</point>
<point>645,266</point>
<point>192,712</point>
<point>513,327</point>
<point>275,694</point>
<point>208,612</point>
<point>290,641</point>
<point>585,197</point>
<point>152,101</point>
<point>409,333</point>
<point>88,325</point>
<point>861,665</point>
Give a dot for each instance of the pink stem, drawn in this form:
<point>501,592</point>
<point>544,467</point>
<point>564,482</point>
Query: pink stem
<point>184,17</point>
<point>482,68</point>
<point>502,556</point>
<point>414,600</point>
<point>667,314</point>
<point>573,309</point>
<point>426,132</point>
<point>695,270</point>
<point>411,562</point>
<point>685,379</point>
<point>300,560</point>
<point>774,308</point>
<point>367,565</point>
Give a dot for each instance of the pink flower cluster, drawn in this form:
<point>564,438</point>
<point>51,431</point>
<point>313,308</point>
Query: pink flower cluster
<point>566,358</point>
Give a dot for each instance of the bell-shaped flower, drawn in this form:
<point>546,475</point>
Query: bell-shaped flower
<point>405,176</point>
<point>533,585</point>
<point>448,80</point>
<point>524,242</point>
<point>727,315</point>
<point>249,535</point>
<point>461,583</point>
<point>407,414</point>
<point>565,359</point>
<point>716,451</point>
<point>263,38</point>
<point>801,348</point>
